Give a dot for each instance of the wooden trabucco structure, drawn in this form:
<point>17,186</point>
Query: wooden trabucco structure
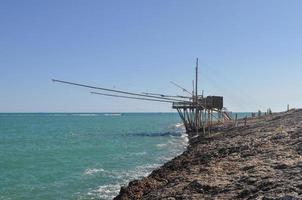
<point>197,116</point>
<point>198,113</point>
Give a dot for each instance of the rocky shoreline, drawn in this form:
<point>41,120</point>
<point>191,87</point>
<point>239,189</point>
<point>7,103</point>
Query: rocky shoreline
<point>261,159</point>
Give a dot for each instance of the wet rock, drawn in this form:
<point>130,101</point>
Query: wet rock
<point>281,198</point>
<point>246,193</point>
<point>266,185</point>
<point>202,188</point>
<point>197,187</point>
<point>247,168</point>
<point>281,166</point>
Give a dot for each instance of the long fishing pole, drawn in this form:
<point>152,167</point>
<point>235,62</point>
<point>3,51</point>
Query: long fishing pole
<point>183,89</point>
<point>164,95</point>
<point>138,98</point>
<point>116,91</point>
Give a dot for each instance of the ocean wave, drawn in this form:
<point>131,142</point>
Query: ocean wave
<point>144,170</point>
<point>105,191</point>
<point>179,125</point>
<point>91,171</point>
<point>175,146</point>
<point>112,114</point>
<point>161,145</point>
<point>139,153</point>
<point>122,178</point>
<point>138,173</point>
<point>84,114</point>
<point>185,138</point>
<point>165,159</point>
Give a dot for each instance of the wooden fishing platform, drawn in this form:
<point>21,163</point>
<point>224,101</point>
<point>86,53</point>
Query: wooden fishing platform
<point>199,114</point>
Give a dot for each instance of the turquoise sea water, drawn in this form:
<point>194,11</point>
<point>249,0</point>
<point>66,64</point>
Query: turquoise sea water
<point>82,156</point>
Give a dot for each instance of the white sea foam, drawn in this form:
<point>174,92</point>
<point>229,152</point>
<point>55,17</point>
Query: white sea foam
<point>184,139</point>
<point>113,114</point>
<point>128,175</point>
<point>175,146</point>
<point>139,153</point>
<point>105,191</point>
<point>92,171</point>
<point>164,159</point>
<point>144,170</point>
<point>179,125</point>
<point>122,178</point>
<point>161,145</point>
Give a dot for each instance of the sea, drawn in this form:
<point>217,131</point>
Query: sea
<point>83,155</point>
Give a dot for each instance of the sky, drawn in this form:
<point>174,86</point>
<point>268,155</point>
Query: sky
<point>250,52</point>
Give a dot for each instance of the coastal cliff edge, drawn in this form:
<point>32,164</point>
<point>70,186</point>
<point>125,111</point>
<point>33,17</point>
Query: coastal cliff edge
<point>259,160</point>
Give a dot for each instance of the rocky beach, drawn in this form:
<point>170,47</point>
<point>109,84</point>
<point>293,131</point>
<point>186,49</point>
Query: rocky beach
<point>259,159</point>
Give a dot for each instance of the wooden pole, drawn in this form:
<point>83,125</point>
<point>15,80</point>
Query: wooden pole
<point>196,96</point>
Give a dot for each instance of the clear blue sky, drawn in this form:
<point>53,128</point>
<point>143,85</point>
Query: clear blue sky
<point>250,52</point>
